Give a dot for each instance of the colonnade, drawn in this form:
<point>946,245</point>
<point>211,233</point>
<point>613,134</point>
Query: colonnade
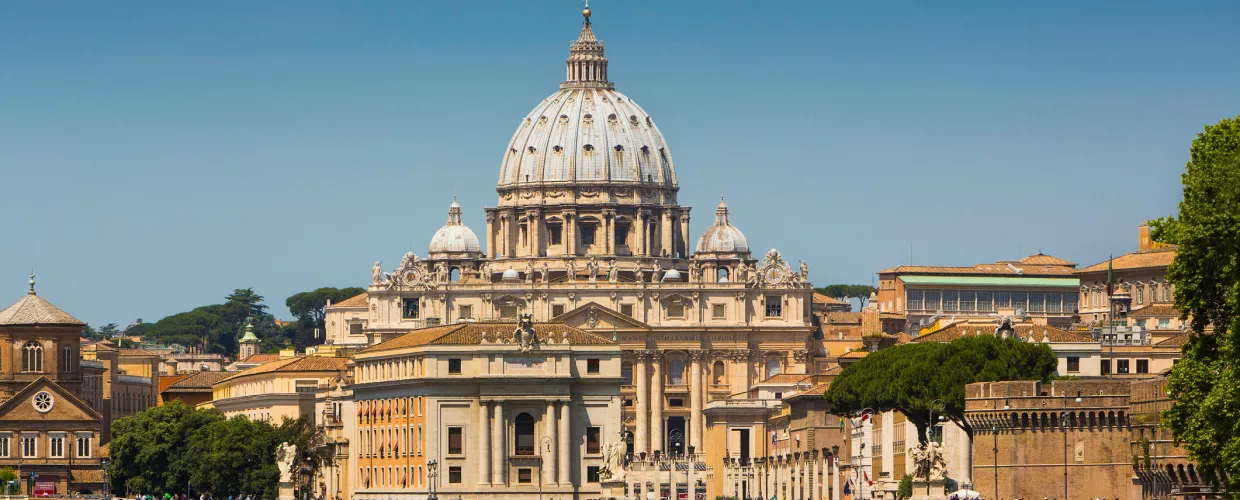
<point>648,375</point>
<point>495,446</point>
<point>807,475</point>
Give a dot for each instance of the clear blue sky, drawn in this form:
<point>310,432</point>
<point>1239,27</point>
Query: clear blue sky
<point>156,155</point>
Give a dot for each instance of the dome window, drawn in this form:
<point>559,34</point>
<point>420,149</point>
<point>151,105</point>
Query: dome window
<point>563,119</point>
<point>645,150</point>
<point>532,150</point>
<point>542,120</point>
<point>611,117</point>
<point>513,151</point>
<point>634,121</point>
<point>557,149</point>
<point>588,148</point>
<point>619,148</point>
<point>649,122</point>
<point>587,119</point>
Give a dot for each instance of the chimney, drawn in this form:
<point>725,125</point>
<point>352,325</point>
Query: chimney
<point>1144,242</point>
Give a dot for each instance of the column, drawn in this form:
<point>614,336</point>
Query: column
<point>570,233</point>
<point>498,448</point>
<point>656,402</point>
<point>814,483</point>
<point>695,399</point>
<point>665,231</point>
<point>639,225</point>
<point>565,436</point>
<point>535,221</point>
<point>609,232</point>
<point>549,456</point>
<point>484,443</point>
<point>490,234</point>
<point>834,468</point>
<point>642,378</point>
<point>684,233</point>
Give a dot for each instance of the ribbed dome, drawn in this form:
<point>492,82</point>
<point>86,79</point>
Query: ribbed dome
<point>722,237</point>
<point>454,237</point>
<point>587,132</point>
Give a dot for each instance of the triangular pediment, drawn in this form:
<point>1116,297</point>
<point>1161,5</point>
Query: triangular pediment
<point>595,317</point>
<point>64,405</point>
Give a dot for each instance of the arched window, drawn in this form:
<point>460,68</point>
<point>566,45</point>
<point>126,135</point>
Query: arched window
<point>722,275</point>
<point>772,367</point>
<point>66,359</point>
<point>676,372</point>
<point>454,275</point>
<point>718,373</point>
<point>525,434</point>
<point>626,373</point>
<point>32,357</point>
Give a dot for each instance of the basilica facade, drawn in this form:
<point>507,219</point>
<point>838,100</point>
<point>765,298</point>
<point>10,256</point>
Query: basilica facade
<point>588,234</point>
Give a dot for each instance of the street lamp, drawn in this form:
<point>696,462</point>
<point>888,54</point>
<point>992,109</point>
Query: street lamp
<point>107,483</point>
<point>432,469</point>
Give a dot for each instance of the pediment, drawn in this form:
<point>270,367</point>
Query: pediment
<point>64,405</point>
<point>593,316</point>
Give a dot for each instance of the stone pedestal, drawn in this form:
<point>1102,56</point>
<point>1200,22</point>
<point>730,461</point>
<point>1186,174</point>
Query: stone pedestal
<point>612,489</point>
<point>937,489</point>
<point>286,490</point>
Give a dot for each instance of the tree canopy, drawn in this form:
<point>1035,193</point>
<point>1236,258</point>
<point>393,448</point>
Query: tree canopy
<point>845,292</point>
<point>1205,417</point>
<point>309,309</point>
<point>217,327</point>
<point>908,378</point>
<point>169,448</point>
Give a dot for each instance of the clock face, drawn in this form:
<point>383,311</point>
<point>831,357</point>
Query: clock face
<point>773,274</point>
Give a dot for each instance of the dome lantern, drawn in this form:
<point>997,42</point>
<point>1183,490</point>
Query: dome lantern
<point>454,239</point>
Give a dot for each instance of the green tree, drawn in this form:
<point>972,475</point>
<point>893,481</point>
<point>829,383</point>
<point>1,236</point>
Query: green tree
<point>1205,417</point>
<point>90,333</point>
<point>148,449</point>
<point>909,378</point>
<point>846,292</point>
<point>7,476</point>
<point>905,488</point>
<point>217,327</point>
<point>233,456</point>
<point>308,308</point>
<point>109,331</point>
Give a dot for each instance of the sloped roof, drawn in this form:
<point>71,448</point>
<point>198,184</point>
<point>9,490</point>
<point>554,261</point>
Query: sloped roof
<point>1031,332</point>
<point>298,364</point>
<point>260,358</point>
<point>198,382</point>
<point>823,299</point>
<point>1033,265</point>
<point>857,354</point>
<point>1048,260</point>
<point>1159,257</point>
<point>490,331</point>
<point>358,300</point>
<point>786,378</point>
<point>136,352</point>
<point>840,317</point>
<point>1157,310</point>
<point>33,310</point>
<point>43,381</point>
<point>1176,341</point>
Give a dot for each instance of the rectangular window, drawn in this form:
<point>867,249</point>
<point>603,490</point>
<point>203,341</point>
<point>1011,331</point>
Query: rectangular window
<point>984,303</point>
<point>676,310</point>
<point>1020,301</point>
<point>593,445</point>
<point>950,301</point>
<point>717,311</point>
<point>1143,366</point>
<point>456,440</point>
<point>83,446</point>
<point>555,234</point>
<point>4,446</point>
<point>454,475</point>
<point>592,474</point>
<point>968,301</point>
<point>676,402</point>
<point>466,312</point>
<point>1121,366</point>
<point>1003,299</point>
<point>626,309</point>
<point>57,447</point>
<point>29,446</point>
<point>587,234</point>
<point>932,301</point>
<point>306,386</point>
<point>914,300</point>
<point>1164,323</point>
<point>1106,367</point>
<point>1139,294</point>
<point>454,366</point>
<point>1054,302</point>
<point>1070,301</point>
<point>622,233</point>
<point>774,306</point>
<point>410,308</point>
<point>524,475</point>
<point>1074,364</point>
<point>557,310</point>
<point>592,365</point>
<point>355,328</point>
<point>1037,302</point>
<point>507,312</point>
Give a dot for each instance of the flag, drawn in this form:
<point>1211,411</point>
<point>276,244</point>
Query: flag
<point>772,437</point>
<point>841,424</point>
<point>1110,276</point>
<point>867,479</point>
<point>865,415</point>
<point>848,487</point>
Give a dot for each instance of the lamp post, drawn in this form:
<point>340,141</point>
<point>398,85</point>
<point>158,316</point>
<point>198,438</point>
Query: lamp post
<point>861,452</point>
<point>432,472</point>
<point>107,482</point>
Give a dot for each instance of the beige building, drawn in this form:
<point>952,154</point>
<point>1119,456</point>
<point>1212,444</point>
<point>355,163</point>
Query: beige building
<point>588,232</point>
<point>273,391</point>
<point>484,410</point>
<point>1143,274</point>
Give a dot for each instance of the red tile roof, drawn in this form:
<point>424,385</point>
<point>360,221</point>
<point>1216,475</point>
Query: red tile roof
<point>1176,341</point>
<point>1034,333</point>
<point>1160,257</point>
<point>358,300</point>
<point>823,299</point>
<point>490,331</point>
<point>1033,265</point>
<point>844,318</point>
<point>1157,310</point>
<point>1043,259</point>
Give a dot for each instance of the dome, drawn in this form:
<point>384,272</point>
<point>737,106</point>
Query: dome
<point>511,274</point>
<point>454,237</point>
<point>722,237</point>
<point>587,133</point>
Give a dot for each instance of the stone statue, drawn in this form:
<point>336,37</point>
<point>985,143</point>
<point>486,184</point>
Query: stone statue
<point>742,273</point>
<point>376,273</point>
<point>592,269</point>
<point>286,454</point>
<point>572,270</point>
<point>695,271</point>
<point>613,271</point>
<point>613,462</point>
<point>639,270</point>
<point>658,272</point>
<point>546,273</point>
<point>441,272</point>
<point>529,272</point>
<point>804,271</point>
<point>752,274</point>
<point>524,335</point>
<point>484,271</point>
<point>929,461</point>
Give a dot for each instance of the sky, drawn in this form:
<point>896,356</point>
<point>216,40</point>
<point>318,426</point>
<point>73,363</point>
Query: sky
<point>156,155</point>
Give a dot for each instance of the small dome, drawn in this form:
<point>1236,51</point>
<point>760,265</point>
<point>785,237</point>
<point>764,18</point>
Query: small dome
<point>455,237</point>
<point>722,237</point>
<point>511,274</point>
<point>671,275</point>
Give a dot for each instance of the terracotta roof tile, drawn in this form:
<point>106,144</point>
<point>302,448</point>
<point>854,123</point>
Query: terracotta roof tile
<point>298,364</point>
<point>1176,341</point>
<point>1038,265</point>
<point>490,331</point>
<point>786,378</point>
<point>1043,259</point>
<point>136,352</point>
<point>1034,333</point>
<point>199,381</point>
<point>858,354</point>
<point>358,300</point>
<point>1160,257</point>
<point>823,299</point>
<point>1157,310</point>
<point>260,358</point>
<point>33,310</point>
<point>845,318</point>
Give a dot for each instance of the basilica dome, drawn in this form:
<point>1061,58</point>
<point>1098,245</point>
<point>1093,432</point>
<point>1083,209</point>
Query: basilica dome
<point>722,237</point>
<point>587,133</point>
<point>454,237</point>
